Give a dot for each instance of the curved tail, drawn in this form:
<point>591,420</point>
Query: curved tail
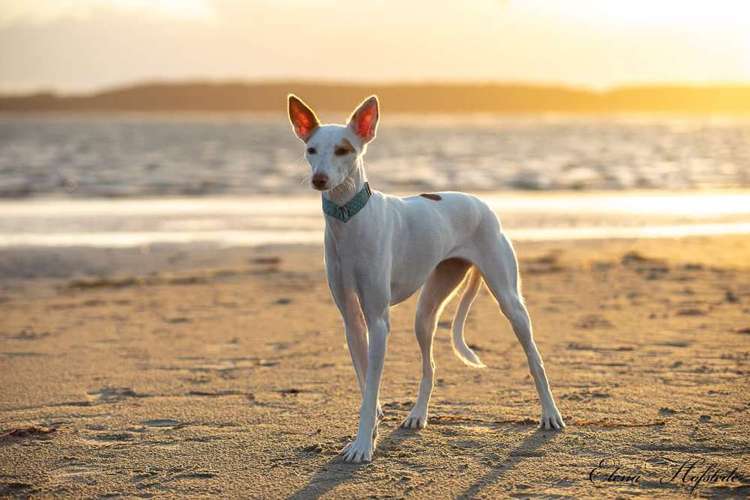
<point>464,353</point>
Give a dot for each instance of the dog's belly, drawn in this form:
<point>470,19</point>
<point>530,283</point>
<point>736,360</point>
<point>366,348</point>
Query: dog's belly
<point>401,291</point>
<point>410,271</point>
<point>427,232</point>
<point>411,266</point>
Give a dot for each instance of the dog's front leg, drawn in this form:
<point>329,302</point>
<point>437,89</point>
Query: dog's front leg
<point>356,338</point>
<point>363,446</point>
<point>355,329</point>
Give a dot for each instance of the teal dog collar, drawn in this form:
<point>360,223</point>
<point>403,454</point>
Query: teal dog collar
<point>350,209</point>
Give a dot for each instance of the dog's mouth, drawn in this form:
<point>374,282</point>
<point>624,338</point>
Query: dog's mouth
<point>332,185</point>
<point>328,185</point>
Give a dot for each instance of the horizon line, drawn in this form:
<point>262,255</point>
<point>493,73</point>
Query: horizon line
<point>323,82</point>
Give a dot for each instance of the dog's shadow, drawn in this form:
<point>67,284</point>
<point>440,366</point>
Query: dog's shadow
<point>528,447</point>
<point>337,472</point>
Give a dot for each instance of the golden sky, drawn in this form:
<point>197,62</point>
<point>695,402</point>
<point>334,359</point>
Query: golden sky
<point>74,45</point>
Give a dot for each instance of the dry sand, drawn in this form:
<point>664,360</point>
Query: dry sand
<point>209,372</point>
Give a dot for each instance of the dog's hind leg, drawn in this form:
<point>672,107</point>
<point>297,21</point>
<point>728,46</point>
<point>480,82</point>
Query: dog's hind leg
<point>499,267</point>
<point>438,289</point>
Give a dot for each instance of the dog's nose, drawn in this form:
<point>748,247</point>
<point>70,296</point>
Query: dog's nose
<point>319,181</point>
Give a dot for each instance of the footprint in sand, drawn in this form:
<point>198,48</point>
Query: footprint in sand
<point>731,297</point>
<point>465,443</point>
<point>78,472</point>
<point>195,475</point>
<point>23,354</point>
<point>32,432</point>
<point>110,438</point>
<point>112,394</point>
<point>675,343</point>
<point>28,334</point>
<point>163,423</point>
<point>272,260</point>
<point>586,395</point>
<point>691,311</point>
<point>16,489</point>
<point>214,394</point>
<point>177,320</point>
<point>593,321</point>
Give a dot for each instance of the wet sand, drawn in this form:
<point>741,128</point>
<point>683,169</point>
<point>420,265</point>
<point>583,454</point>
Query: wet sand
<point>225,372</point>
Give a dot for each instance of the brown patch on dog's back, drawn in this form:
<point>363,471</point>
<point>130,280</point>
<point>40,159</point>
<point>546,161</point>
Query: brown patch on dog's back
<point>431,196</point>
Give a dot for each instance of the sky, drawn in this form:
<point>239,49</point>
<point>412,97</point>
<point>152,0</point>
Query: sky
<point>74,46</point>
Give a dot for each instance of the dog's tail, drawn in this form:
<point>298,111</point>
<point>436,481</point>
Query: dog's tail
<point>464,353</point>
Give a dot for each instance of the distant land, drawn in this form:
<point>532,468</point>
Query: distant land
<point>408,98</point>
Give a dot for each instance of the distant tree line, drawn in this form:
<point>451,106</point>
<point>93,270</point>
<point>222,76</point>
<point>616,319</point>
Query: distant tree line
<point>409,98</point>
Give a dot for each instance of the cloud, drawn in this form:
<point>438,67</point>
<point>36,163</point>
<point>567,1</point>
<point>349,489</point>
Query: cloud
<point>46,11</point>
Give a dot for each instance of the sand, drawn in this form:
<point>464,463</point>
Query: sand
<point>225,372</point>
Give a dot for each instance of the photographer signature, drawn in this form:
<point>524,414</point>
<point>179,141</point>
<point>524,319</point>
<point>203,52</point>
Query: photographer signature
<point>691,473</point>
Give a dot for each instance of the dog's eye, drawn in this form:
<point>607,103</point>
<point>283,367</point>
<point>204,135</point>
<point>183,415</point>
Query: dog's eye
<point>341,151</point>
<point>311,151</point>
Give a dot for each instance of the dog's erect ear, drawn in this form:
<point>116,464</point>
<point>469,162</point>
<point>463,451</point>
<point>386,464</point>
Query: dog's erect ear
<point>364,120</point>
<point>304,121</point>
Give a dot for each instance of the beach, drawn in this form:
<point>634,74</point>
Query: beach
<point>202,370</point>
<point>166,325</point>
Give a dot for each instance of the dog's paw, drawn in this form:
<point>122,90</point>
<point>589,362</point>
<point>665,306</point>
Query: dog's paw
<point>551,419</point>
<point>416,420</point>
<point>357,452</point>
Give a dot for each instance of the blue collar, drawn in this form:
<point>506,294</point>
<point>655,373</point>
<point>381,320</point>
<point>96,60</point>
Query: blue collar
<point>350,208</point>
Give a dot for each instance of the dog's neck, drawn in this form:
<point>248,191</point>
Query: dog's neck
<point>352,185</point>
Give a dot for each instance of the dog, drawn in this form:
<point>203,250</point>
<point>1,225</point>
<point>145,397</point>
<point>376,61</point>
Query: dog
<point>380,249</point>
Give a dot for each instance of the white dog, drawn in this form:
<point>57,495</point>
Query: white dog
<point>380,249</point>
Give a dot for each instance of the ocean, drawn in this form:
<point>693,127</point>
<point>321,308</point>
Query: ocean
<point>135,156</point>
<point>123,180</point>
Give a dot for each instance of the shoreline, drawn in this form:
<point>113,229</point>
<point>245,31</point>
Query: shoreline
<point>265,220</point>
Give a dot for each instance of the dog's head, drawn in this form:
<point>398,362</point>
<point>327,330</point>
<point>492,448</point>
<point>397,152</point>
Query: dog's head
<point>333,150</point>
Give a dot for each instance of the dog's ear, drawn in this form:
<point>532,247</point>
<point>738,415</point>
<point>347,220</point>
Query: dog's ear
<point>364,120</point>
<point>304,121</point>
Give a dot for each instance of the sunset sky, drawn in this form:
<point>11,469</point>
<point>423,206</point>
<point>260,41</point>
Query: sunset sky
<point>82,45</point>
